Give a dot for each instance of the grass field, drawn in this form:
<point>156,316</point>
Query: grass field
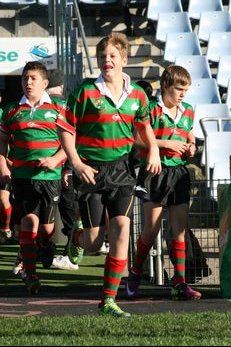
<point>209,328</point>
<point>90,271</point>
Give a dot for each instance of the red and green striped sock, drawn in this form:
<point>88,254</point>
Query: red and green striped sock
<point>178,252</point>
<point>141,254</point>
<point>27,242</point>
<point>113,272</point>
<point>5,214</point>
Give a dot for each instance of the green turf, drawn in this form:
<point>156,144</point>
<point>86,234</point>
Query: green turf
<point>90,271</point>
<point>169,329</point>
<point>165,329</point>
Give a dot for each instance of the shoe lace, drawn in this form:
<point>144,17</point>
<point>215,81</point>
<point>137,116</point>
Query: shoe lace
<point>113,308</point>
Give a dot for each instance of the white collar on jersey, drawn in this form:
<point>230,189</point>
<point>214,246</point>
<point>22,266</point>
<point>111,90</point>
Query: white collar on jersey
<point>44,98</point>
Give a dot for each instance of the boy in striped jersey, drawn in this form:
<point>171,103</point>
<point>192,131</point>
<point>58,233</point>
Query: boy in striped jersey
<point>104,113</point>
<point>172,123</point>
<point>37,158</point>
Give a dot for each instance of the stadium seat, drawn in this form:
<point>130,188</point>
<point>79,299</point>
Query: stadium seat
<point>97,2</point>
<point>217,149</point>
<point>218,44</point>
<point>196,7</point>
<point>197,65</point>
<point>209,111</point>
<point>213,21</point>
<point>221,170</point>
<point>228,95</point>
<point>155,7</point>
<point>220,175</point>
<point>172,22</point>
<point>18,3</point>
<point>138,3</point>
<point>203,91</point>
<point>224,71</point>
<point>229,6</point>
<point>181,44</point>
<point>43,2</point>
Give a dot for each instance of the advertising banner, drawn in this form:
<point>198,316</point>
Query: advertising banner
<point>15,52</point>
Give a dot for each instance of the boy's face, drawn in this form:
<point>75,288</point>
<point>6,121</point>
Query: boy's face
<point>33,84</point>
<point>175,94</point>
<point>110,62</point>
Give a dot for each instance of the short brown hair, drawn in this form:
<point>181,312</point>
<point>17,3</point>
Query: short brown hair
<point>174,74</point>
<point>36,65</point>
<point>116,39</point>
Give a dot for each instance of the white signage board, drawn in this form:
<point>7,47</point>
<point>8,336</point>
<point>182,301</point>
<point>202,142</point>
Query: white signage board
<point>15,52</point>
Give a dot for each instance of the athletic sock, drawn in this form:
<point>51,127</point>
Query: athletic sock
<point>141,254</point>
<point>113,272</point>
<point>5,214</point>
<point>178,253</point>
<point>27,242</point>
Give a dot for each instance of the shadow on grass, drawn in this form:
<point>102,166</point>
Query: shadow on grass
<point>86,282</point>
<point>55,282</point>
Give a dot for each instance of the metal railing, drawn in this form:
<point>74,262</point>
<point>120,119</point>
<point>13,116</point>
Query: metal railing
<point>202,264</point>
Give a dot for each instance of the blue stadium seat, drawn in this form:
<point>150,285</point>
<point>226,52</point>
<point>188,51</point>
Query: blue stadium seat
<point>181,44</point>
<point>155,7</point>
<point>17,3</point>
<point>217,149</point>
<point>196,7</point>
<point>197,65</point>
<point>219,44</point>
<point>172,22</point>
<point>97,2</point>
<point>211,110</point>
<point>213,21</point>
<point>203,91</point>
<point>228,96</point>
<point>224,71</point>
<point>43,2</point>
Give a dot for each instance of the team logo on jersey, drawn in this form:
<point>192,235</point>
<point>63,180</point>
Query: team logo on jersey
<point>116,117</point>
<point>134,106</point>
<point>98,103</point>
<point>185,123</point>
<point>18,115</point>
<point>49,114</point>
<point>176,132</point>
<point>33,125</point>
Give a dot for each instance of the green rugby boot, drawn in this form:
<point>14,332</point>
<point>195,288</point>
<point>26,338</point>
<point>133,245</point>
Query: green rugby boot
<point>110,308</point>
<point>75,253</point>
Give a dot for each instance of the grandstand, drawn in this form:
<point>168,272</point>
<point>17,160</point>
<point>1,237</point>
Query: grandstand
<point>77,27</point>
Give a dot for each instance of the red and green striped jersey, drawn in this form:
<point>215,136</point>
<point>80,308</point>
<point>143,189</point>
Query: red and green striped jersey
<point>104,131</point>
<point>166,128</point>
<point>60,103</point>
<point>34,136</point>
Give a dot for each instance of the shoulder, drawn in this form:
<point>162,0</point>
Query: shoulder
<point>137,86</point>
<point>187,105</point>
<point>57,100</point>
<point>10,106</point>
<point>153,102</point>
<point>86,84</point>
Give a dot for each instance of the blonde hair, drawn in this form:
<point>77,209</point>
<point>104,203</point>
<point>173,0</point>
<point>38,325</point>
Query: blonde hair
<point>174,74</point>
<point>116,39</point>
